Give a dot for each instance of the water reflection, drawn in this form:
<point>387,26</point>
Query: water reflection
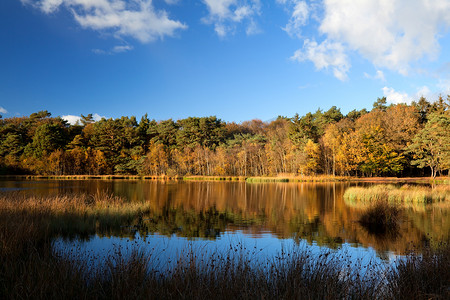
<point>314,212</point>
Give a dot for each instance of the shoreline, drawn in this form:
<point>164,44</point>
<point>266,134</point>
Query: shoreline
<point>249,179</point>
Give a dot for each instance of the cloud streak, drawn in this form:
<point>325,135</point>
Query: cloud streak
<point>299,16</point>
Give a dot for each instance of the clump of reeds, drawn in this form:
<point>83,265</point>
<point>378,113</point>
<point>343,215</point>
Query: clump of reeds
<point>380,218</point>
<point>421,276</point>
<point>404,194</point>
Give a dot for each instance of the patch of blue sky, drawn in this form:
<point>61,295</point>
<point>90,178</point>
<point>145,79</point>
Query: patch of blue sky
<point>236,59</point>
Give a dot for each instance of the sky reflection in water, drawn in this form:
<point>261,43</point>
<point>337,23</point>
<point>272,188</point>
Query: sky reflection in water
<point>270,216</point>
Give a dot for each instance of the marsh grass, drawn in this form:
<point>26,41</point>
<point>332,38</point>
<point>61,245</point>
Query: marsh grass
<point>402,195</point>
<point>214,178</point>
<point>73,215</point>
<point>293,178</point>
<point>31,268</point>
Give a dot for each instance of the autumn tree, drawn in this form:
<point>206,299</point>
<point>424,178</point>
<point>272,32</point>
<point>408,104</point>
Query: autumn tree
<point>431,145</point>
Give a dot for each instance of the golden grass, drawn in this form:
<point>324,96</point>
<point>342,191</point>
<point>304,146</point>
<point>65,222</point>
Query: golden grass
<point>293,178</point>
<point>72,215</point>
<point>402,195</point>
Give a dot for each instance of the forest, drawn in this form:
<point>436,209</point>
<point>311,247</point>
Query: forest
<point>388,140</point>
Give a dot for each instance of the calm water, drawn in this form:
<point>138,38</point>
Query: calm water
<point>267,217</point>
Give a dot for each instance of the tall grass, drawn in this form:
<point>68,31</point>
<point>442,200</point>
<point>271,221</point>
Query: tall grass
<point>393,194</point>
<point>74,215</point>
<point>214,178</point>
<point>31,268</point>
<point>292,178</point>
<point>424,276</point>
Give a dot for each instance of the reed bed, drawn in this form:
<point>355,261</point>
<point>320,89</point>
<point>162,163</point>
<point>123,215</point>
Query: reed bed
<point>293,178</point>
<point>214,178</point>
<point>266,179</point>
<point>30,267</point>
<point>75,215</point>
<point>402,195</point>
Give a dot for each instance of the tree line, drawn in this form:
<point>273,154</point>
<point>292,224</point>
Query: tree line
<point>400,140</point>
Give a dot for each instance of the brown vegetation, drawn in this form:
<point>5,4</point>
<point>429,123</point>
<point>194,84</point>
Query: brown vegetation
<point>31,268</point>
<point>400,195</point>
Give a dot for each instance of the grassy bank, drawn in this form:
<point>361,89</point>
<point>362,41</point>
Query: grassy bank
<point>31,268</point>
<point>73,215</point>
<point>89,177</point>
<point>392,194</point>
<point>254,179</point>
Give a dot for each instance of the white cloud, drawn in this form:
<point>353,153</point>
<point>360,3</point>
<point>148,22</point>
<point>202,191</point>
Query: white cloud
<point>74,119</point>
<point>424,92</point>
<point>252,28</point>
<point>390,33</point>
<point>120,49</point>
<point>49,6</point>
<point>97,117</point>
<point>71,119</point>
<point>444,86</point>
<point>299,17</point>
<point>137,18</point>
<point>395,97</point>
<point>2,110</point>
<point>114,50</point>
<point>432,94</point>
<point>226,14</point>
<point>99,51</point>
<point>324,56</point>
<point>378,75</point>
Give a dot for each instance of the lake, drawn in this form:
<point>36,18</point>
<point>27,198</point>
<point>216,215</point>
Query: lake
<point>264,217</point>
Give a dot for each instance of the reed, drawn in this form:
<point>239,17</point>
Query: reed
<point>266,179</point>
<point>72,215</point>
<point>424,276</point>
<point>393,194</point>
<point>293,178</point>
<point>214,178</point>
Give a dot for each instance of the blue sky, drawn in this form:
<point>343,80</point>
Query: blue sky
<point>236,59</point>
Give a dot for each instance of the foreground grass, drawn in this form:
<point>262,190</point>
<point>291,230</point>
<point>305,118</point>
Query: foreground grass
<point>31,268</point>
<point>404,194</point>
